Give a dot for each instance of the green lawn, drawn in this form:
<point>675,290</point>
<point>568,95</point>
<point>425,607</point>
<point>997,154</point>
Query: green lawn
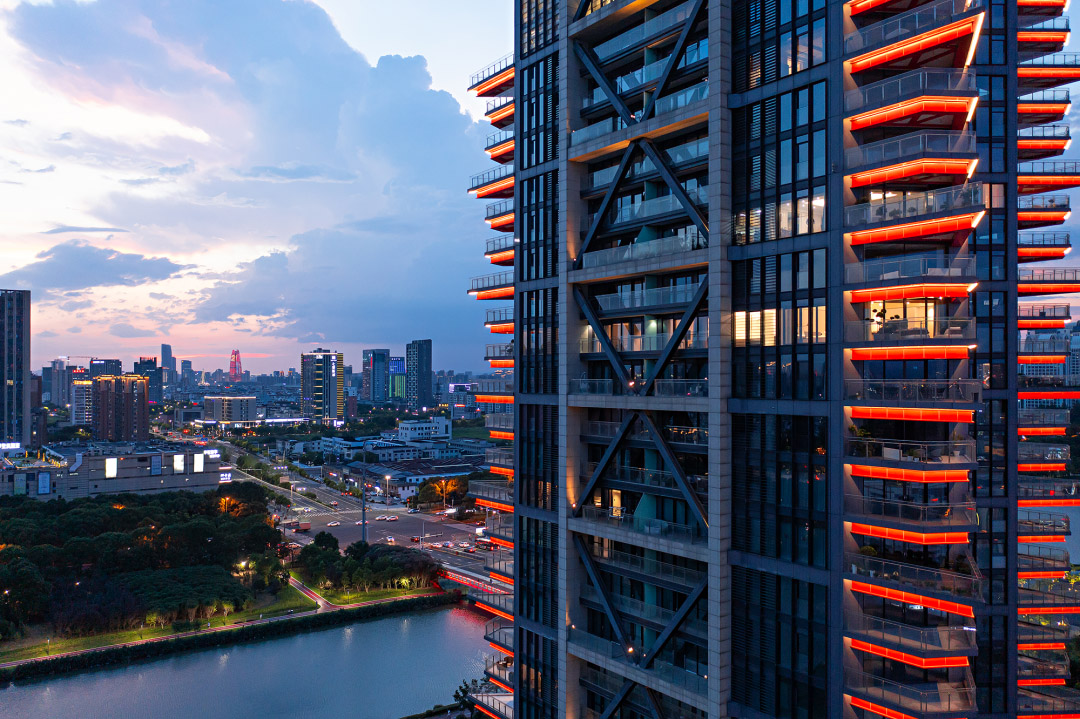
<point>471,433</point>
<point>36,645</point>
<point>342,597</point>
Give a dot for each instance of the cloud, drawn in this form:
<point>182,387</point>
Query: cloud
<point>46,334</point>
<point>75,330</point>
<point>293,171</point>
<point>63,229</point>
<point>77,265</point>
<point>19,122</point>
<point>177,169</point>
<point>73,305</point>
<point>123,329</point>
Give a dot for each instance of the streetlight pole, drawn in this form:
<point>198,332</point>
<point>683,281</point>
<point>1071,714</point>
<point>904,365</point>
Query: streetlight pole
<point>363,506</point>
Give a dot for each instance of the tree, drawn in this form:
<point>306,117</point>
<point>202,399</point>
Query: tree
<point>443,486</point>
<point>325,540</point>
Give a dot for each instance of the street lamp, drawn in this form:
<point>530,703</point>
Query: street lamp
<point>388,490</point>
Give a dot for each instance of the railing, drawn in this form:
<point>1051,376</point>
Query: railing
<point>678,155</point>
<point>651,477</point>
<point>1051,95</point>
<point>1043,417</point>
<point>622,519</point>
<point>502,602</point>
<point>491,70</point>
<point>596,129</point>
<point>927,81</point>
<point>682,98</point>
<point>501,667</point>
<point>487,176</point>
<point>637,609</point>
<point>500,704</point>
<point>500,315</point>
<point>656,206</point>
<point>1033,702</point>
<point>965,586</point>
<point>899,268</point>
<point>608,430</point>
<point>493,490</point>
<point>950,514</point>
<point>500,631</point>
<point>923,142</point>
<point>1043,202</point>
<point>1043,239</point>
<point>501,525</point>
<point>498,244</point>
<point>1044,311</point>
<point>495,386</point>
<point>1049,593</point>
<point>639,33</point>
<point>913,390</point>
<point>645,566</point>
<point>1047,663</point>
<point>1026,381</point>
<point>911,205</point>
<point>1032,522</point>
<point>646,343</point>
<point>905,329</point>
<point>679,295</point>
<point>498,138</point>
<point>1043,345</point>
<point>498,209</point>
<point>1068,274</point>
<point>1058,59</point>
<point>913,22</point>
<point>898,450</point>
<point>1056,132</point>
<point>496,102</point>
<point>688,242</point>
<point>627,654</point>
<point>937,698</point>
<point>1054,23</point>
<point>1041,556</point>
<point>946,637</point>
<point>486,282</point>
<point>1048,167</point>
<point>592,386</point>
<point>500,456</point>
<point>634,81</point>
<point>685,435</point>
<point>499,351</point>
<point>499,420</point>
<point>681,387</point>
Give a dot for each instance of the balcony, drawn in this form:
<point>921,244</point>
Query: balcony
<point>1047,665</point>
<point>1054,313</point>
<point>688,242</point>
<point>500,320</point>
<point>499,285</point>
<point>640,479</point>
<point>1043,452</point>
<point>621,519</point>
<point>913,391</point>
<point>1035,560</point>
<point>945,639</point>
<point>1042,106</point>
<point>1048,281</point>
<point>1042,210</point>
<point>931,455</point>
<point>668,103</point>
<point>1047,701</point>
<point>1030,9</point>
<point>644,78</point>
<point>1044,417</point>
<point>659,297</point>
<point>681,387</point>
<point>1062,386</point>
<point>680,156</point>
<point>910,268</point>
<point>500,215</point>
<point>648,32</point>
<point>1042,246</point>
<point>939,34</point>
<point>648,210</point>
<point>923,157</point>
<point>501,493</point>
<point>653,570</point>
<point>585,643</point>
<point>501,669</point>
<point>922,701</point>
<point>501,526</point>
<point>1036,143</point>
<point>500,706</point>
<point>1032,523</point>
<point>910,330</point>
<point>645,613</point>
<point>946,214</point>
<point>500,146</point>
<point>503,604</point>
<point>1048,71</point>
<point>924,98</point>
<point>645,343</point>
<point>592,386</point>
<point>1039,594</point>
<point>500,250</point>
<point>500,457</point>
<point>605,431</point>
<point>1046,176</point>
<point>1034,344</point>
<point>921,580</point>
<point>500,111</point>
<point>1043,38</point>
<point>918,517</point>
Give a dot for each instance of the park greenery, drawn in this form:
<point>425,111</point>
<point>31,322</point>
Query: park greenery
<point>108,564</point>
<point>364,567</point>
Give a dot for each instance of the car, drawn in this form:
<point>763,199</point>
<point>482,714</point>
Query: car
<point>361,522</point>
<point>333,503</point>
<point>390,540</point>
<point>470,550</point>
<point>335,523</point>
<point>392,518</point>
<point>414,538</point>
<point>463,545</point>
<point>381,517</point>
<point>414,510</point>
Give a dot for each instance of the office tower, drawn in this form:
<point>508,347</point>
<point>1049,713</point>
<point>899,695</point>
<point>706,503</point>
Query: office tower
<point>793,467</point>
<point>375,379</point>
<point>322,386</point>
<point>148,367</point>
<point>82,401</point>
<point>60,383</point>
<point>418,392</point>
<point>236,368</point>
<point>167,359</point>
<point>229,409</point>
<point>187,374</point>
<point>121,410</point>
<point>101,367</point>
<point>15,367</point>
<point>397,378</point>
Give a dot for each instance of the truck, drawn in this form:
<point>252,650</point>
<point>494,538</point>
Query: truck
<point>302,527</point>
<point>291,524</point>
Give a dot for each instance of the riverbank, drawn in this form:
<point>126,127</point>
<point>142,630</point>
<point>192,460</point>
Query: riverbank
<point>326,615</point>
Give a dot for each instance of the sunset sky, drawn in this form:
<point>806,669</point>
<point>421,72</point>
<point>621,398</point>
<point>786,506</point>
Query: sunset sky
<point>256,174</point>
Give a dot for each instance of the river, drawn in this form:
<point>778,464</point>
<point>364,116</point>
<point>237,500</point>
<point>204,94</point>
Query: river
<point>381,669</point>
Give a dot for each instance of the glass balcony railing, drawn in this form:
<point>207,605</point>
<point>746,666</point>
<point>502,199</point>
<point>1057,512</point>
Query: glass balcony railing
<point>1043,345</point>
<point>498,138</point>
<point>648,612</point>
<point>950,515</point>
<point>608,430</point>
<point>500,705</point>
<point>619,518</point>
<point>501,667</point>
<point>636,35</point>
<point>592,386</point>
<point>905,268</point>
<point>658,478</point>
<point>646,343</point>
<point>640,299</point>
<point>900,391</point>
<point>1058,59</point>
<point>1049,167</point>
<point>1045,311</point>
<point>491,70</point>
<point>487,282</point>
<point>1052,95</point>
<point>647,74</point>
<point>499,631</point>
<point>1058,381</point>
<point>687,242</point>
<point>499,315</point>
<point>501,525</point>
<point>1047,663</point>
<point>489,176</point>
<point>1033,522</point>
<point>502,602</point>
<point>659,668</point>
<point>917,699</point>
<point>942,638</point>
<point>1043,202</point>
<point>913,22</point>
<point>1054,23</point>
<point>616,559</point>
<point>1041,557</point>
<point>1046,593</point>
<point>500,562</point>
<point>497,102</point>
<point>493,490</point>
<point>682,98</point>
<point>1066,274</point>
<point>656,206</point>
<point>914,144</point>
<point>1049,488</point>
<point>1046,132</point>
<point>898,450</point>
<point>919,579</point>
<point>909,329</point>
<point>681,387</point>
<point>683,154</point>
<point>1063,700</point>
<point>501,420</point>
<point>498,209</point>
<point>501,456</point>
<point>1043,239</point>
<point>596,129</point>
<point>499,351</point>
<point>926,81</point>
<point>1042,417</point>
<point>914,204</point>
<point>498,244</point>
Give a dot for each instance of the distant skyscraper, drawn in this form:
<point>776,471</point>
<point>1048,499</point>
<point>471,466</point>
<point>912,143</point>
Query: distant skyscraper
<point>167,359</point>
<point>397,378</point>
<point>148,367</point>
<point>102,367</point>
<point>236,369</point>
<point>376,376</point>
<point>15,366</point>
<point>82,401</point>
<point>418,392</point>
<point>121,412</point>
<point>322,385</point>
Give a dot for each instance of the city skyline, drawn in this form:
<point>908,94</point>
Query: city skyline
<point>169,193</point>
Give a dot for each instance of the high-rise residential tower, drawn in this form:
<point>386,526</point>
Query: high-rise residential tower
<point>101,367</point>
<point>120,408</point>
<point>322,386</point>
<point>375,377</point>
<point>15,367</point>
<point>418,378</point>
<point>775,268</point>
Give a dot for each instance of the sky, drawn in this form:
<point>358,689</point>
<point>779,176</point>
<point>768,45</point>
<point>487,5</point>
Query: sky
<point>267,175</point>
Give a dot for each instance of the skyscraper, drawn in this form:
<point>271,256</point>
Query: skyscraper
<point>82,401</point>
<point>322,386</point>
<point>120,408</point>
<point>236,368</point>
<point>167,359</point>
<point>148,367</point>
<point>418,392</point>
<point>834,504</point>
<point>397,378</point>
<point>375,379</point>
<point>101,367</point>
<point>15,367</point>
